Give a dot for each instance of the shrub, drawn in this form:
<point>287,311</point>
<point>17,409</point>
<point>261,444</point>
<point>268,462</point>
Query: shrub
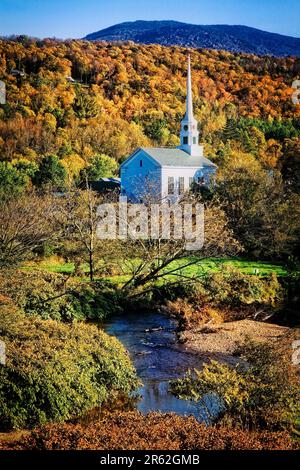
<point>173,291</point>
<point>97,301</point>
<point>226,295</point>
<point>132,431</point>
<point>261,393</point>
<point>46,295</point>
<point>191,315</point>
<point>55,371</point>
<point>233,288</point>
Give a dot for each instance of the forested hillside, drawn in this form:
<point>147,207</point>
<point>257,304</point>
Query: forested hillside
<point>233,38</point>
<point>129,95</point>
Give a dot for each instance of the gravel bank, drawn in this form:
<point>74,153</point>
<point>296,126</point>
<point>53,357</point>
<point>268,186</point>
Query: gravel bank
<point>219,340</point>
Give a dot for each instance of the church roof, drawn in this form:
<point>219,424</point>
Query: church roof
<point>176,157</point>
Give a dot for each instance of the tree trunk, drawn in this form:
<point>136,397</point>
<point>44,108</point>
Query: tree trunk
<point>91,266</point>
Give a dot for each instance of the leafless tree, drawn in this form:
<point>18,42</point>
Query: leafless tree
<point>143,260</point>
<point>26,224</point>
<point>149,260</point>
<point>78,218</point>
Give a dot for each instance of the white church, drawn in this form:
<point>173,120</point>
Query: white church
<point>164,172</point>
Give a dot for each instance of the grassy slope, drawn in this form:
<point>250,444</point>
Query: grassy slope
<point>261,268</point>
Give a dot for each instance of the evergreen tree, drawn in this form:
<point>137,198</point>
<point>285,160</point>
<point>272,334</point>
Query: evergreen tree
<point>231,130</point>
<point>50,173</point>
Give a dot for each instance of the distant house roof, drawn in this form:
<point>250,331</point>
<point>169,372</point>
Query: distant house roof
<point>70,79</point>
<point>111,180</point>
<point>105,184</point>
<point>175,157</point>
<point>17,72</point>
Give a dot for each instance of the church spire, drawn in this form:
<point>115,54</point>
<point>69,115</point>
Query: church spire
<point>189,135</point>
<point>189,95</point>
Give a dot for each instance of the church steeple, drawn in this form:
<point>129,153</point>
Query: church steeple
<point>189,135</point>
<point>189,96</point>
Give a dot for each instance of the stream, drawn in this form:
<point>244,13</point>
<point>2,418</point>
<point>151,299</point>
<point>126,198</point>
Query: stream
<point>151,342</point>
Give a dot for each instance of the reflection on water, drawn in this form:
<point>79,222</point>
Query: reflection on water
<point>150,340</point>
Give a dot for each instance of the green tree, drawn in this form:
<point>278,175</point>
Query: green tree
<point>231,130</point>
<point>85,106</point>
<point>12,180</point>
<point>101,166</point>
<point>290,164</point>
<point>155,130</point>
<point>263,217</point>
<point>26,167</point>
<point>50,173</point>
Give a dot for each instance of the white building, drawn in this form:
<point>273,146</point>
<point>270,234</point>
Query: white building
<point>168,172</point>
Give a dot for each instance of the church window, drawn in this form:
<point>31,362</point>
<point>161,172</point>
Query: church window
<point>170,185</point>
<point>185,140</point>
<point>181,185</point>
<point>141,162</point>
<point>185,127</point>
<point>194,140</point>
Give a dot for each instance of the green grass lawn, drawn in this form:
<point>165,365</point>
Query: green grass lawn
<point>259,268</point>
<point>52,267</point>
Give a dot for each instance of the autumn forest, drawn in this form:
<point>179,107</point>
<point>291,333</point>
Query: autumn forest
<point>124,96</point>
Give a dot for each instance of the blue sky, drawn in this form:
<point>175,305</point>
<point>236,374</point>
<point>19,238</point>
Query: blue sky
<point>76,18</point>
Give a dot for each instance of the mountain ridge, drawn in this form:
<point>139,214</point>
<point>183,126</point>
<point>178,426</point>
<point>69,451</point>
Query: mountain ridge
<point>233,38</point>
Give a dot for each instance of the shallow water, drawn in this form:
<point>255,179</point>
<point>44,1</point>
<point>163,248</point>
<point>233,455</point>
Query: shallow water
<point>151,341</point>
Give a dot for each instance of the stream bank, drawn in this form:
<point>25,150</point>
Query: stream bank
<point>151,340</point>
<point>160,353</point>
